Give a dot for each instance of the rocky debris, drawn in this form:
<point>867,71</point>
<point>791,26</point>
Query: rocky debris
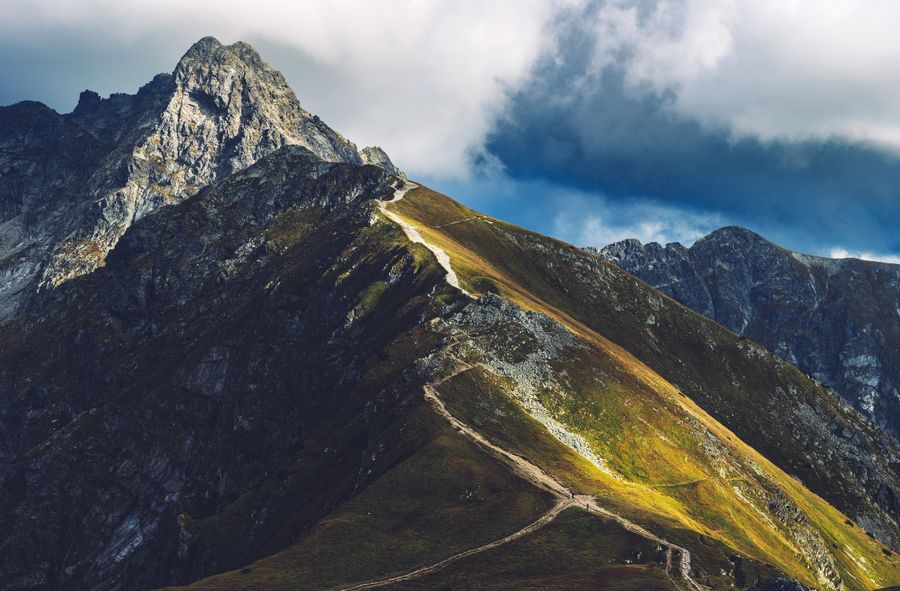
<point>836,320</point>
<point>766,402</point>
<point>809,540</point>
<point>529,352</point>
<point>223,350</point>
<point>540,341</point>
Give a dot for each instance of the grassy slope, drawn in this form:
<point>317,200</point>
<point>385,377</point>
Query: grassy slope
<point>449,496</point>
<point>613,309</point>
<point>482,400</point>
<point>589,553</point>
<point>486,260</point>
<point>392,526</point>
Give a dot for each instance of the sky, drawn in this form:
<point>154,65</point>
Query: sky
<point>589,120</point>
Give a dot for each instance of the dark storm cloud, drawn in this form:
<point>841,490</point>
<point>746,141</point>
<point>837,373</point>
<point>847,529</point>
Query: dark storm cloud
<point>595,133</point>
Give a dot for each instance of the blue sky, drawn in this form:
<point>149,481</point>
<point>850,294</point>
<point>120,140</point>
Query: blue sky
<point>589,120</point>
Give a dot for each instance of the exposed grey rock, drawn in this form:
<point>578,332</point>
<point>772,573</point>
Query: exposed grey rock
<point>530,352</point>
<point>45,162</point>
<point>765,401</point>
<point>837,320</point>
<point>377,157</point>
<point>225,109</point>
<point>204,340</point>
<point>90,174</point>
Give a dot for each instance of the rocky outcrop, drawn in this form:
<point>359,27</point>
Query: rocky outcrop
<point>200,400</point>
<point>377,157</point>
<point>120,158</point>
<point>46,160</point>
<point>837,320</point>
<point>224,109</point>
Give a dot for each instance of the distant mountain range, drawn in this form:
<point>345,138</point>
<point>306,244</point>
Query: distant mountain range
<point>838,320</point>
<point>236,352</point>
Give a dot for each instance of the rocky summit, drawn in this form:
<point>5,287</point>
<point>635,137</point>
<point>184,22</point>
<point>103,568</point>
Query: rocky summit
<point>80,180</point>
<point>838,320</point>
<point>238,353</point>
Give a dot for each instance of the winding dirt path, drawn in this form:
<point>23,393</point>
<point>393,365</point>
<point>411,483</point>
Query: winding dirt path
<point>559,507</point>
<point>519,465</point>
<point>473,218</point>
<point>538,477</point>
<point>565,497</point>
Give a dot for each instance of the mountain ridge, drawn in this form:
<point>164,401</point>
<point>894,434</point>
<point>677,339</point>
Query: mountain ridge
<point>220,110</point>
<point>820,314</point>
<point>251,388</point>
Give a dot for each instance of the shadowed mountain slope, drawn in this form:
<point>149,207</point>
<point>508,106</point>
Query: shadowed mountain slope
<point>273,381</point>
<point>838,320</point>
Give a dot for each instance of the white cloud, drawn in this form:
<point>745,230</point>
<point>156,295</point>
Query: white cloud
<point>425,79</point>
<point>841,253</point>
<point>788,69</point>
<point>594,221</point>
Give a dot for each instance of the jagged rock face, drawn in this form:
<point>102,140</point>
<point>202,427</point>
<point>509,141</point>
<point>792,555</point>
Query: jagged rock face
<point>42,154</point>
<point>42,157</point>
<point>226,108</point>
<point>221,110</point>
<point>377,157</point>
<point>222,348</point>
<point>233,341</point>
<point>837,320</point>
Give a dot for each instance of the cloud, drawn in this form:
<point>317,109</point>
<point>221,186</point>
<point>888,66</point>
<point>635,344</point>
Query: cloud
<point>596,221</point>
<point>424,79</point>
<point>771,69</point>
<point>601,133</point>
<point>841,253</point>
<point>777,115</point>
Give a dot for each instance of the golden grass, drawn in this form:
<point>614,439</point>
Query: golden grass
<point>710,505</point>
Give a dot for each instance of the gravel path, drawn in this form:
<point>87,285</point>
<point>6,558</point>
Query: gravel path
<point>543,520</point>
<point>415,236</point>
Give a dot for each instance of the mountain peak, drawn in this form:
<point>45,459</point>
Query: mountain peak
<point>296,342</point>
<point>205,45</point>
<point>222,110</point>
<point>376,156</point>
<point>731,233</point>
<point>210,54</point>
<point>230,90</point>
<point>786,302</point>
<point>88,99</point>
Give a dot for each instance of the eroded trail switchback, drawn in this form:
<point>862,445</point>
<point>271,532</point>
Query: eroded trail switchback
<point>565,499</point>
